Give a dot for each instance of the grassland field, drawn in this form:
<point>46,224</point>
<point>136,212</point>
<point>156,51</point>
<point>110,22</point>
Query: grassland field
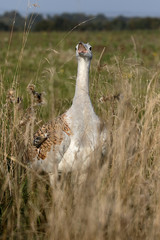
<point>30,61</point>
<point>119,201</point>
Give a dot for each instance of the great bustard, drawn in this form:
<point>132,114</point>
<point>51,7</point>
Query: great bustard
<point>78,135</point>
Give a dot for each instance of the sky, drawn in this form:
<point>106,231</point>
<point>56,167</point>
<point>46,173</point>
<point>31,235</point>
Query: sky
<point>107,7</point>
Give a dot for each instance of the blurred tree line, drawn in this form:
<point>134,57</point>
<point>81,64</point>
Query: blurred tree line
<point>66,21</point>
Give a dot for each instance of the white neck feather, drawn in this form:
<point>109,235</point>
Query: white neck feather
<point>82,82</point>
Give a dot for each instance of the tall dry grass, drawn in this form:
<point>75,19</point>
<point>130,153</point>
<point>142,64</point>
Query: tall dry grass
<point>120,199</point>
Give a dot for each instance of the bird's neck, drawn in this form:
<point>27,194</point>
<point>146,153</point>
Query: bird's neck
<point>82,82</point>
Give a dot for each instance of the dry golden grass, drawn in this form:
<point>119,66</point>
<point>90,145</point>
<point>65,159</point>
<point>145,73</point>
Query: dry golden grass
<point>120,199</point>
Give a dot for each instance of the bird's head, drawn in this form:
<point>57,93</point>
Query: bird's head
<point>84,50</point>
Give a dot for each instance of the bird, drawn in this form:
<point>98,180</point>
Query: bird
<point>76,137</point>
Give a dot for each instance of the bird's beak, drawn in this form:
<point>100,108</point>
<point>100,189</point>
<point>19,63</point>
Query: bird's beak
<point>81,48</point>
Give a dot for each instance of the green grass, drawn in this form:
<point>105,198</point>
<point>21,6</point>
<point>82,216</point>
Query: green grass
<point>34,63</point>
<point>120,200</point>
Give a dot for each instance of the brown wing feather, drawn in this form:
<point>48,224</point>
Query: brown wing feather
<point>49,135</point>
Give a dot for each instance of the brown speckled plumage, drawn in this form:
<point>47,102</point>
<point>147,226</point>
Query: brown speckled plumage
<point>48,136</point>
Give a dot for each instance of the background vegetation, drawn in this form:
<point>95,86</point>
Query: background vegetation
<point>121,198</point>
<point>66,21</point>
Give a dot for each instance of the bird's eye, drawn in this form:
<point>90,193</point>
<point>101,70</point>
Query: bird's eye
<point>90,48</point>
